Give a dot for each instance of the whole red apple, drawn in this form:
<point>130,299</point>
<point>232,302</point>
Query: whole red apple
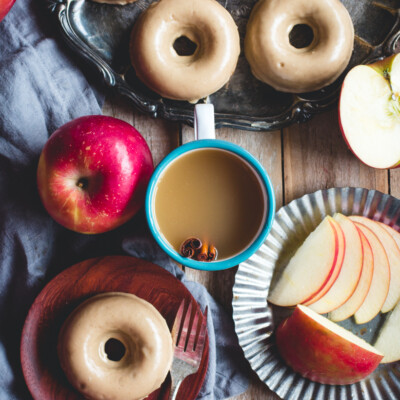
<point>5,7</point>
<point>323,351</point>
<point>93,173</point>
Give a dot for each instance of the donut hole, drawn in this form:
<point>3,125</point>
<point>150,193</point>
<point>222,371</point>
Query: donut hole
<point>184,46</point>
<point>114,349</point>
<point>301,36</point>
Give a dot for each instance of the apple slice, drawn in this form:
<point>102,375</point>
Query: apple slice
<point>347,280</point>
<point>369,112</point>
<point>393,254</point>
<point>310,268</point>
<point>350,307</point>
<point>379,287</point>
<point>335,272</point>
<point>392,232</point>
<point>323,351</point>
<point>387,341</point>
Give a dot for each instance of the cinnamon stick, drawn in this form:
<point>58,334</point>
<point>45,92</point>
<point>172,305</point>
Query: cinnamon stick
<point>212,253</point>
<point>196,249</point>
<point>203,254</point>
<point>190,247</point>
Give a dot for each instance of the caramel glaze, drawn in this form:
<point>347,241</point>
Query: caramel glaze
<point>185,77</point>
<point>137,325</point>
<point>275,61</point>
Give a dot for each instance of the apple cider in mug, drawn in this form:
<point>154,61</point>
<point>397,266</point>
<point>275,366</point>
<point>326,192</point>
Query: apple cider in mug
<point>211,203</point>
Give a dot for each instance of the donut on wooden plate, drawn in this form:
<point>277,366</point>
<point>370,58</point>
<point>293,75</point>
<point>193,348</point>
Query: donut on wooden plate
<point>185,77</point>
<point>275,61</point>
<point>115,346</point>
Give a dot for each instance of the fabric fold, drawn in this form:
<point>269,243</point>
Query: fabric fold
<point>42,86</point>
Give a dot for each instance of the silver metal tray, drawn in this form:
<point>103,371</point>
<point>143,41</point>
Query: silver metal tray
<point>100,34</point>
<point>256,320</point>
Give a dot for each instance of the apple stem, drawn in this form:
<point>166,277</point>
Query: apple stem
<point>82,183</point>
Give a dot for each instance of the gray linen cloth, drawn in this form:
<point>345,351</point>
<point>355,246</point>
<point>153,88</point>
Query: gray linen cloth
<point>42,87</point>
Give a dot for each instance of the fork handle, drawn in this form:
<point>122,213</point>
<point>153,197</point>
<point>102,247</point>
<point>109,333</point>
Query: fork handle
<point>175,385</point>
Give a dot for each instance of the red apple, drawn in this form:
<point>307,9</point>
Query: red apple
<point>5,7</point>
<point>369,112</point>
<point>323,351</point>
<point>93,173</point>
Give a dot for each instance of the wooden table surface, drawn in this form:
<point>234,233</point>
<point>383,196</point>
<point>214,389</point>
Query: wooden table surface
<point>299,159</point>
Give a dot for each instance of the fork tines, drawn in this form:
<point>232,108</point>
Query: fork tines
<point>189,336</point>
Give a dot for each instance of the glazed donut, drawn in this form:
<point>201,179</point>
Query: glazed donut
<point>275,61</point>
<point>145,347</point>
<point>185,77</point>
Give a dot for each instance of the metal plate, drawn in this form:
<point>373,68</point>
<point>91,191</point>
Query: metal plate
<point>100,34</point>
<point>256,320</point>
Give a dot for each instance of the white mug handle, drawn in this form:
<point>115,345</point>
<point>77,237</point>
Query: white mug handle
<point>204,124</point>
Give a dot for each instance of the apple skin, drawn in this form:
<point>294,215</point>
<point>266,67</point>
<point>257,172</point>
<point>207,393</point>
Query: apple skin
<point>321,355</point>
<point>381,67</point>
<point>93,173</point>
<point>5,7</point>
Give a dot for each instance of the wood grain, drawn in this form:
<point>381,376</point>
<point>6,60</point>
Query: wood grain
<point>266,147</point>
<point>315,157</point>
<point>301,159</point>
<point>394,175</point>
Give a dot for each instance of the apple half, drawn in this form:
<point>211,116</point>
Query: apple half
<point>369,112</point>
<point>348,278</point>
<point>355,301</point>
<point>387,341</point>
<point>393,255</point>
<point>323,351</point>
<point>310,268</point>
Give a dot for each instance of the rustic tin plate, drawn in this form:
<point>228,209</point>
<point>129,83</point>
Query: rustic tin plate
<point>255,320</point>
<point>100,34</point>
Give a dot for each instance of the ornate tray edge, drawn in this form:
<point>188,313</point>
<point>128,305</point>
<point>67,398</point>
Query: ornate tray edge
<point>301,110</point>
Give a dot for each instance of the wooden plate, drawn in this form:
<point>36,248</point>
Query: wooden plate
<point>42,372</point>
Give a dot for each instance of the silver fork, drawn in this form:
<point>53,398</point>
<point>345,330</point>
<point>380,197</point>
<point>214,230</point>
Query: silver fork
<point>189,345</point>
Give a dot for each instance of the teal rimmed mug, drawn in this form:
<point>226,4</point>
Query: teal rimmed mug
<point>205,139</point>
